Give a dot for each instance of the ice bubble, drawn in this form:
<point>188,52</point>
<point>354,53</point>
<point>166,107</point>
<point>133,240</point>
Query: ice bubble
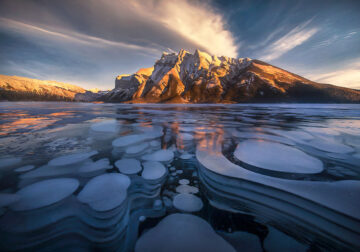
<point>155,143</point>
<point>106,126</point>
<point>71,159</point>
<point>44,193</point>
<point>142,218</point>
<point>160,156</point>
<point>167,202</point>
<point>182,232</point>
<point>153,170</point>
<point>105,192</point>
<point>157,204</point>
<point>9,161</point>
<point>184,182</point>
<point>25,168</point>
<point>186,156</point>
<point>101,164</point>
<point>277,157</point>
<point>187,202</point>
<point>172,168</point>
<point>277,241</point>
<point>7,199</point>
<point>137,148</point>
<point>128,165</point>
<point>124,141</point>
<point>187,189</point>
<point>179,171</point>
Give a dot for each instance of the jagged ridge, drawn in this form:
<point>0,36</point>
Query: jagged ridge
<point>202,78</point>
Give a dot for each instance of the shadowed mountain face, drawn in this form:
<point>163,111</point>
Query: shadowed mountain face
<point>20,88</point>
<point>202,78</point>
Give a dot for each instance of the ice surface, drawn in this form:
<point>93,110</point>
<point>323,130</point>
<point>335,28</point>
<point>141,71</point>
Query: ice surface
<point>128,165</point>
<point>185,136</point>
<point>186,156</point>
<point>187,189</point>
<point>153,170</point>
<point>330,146</point>
<point>106,126</point>
<point>7,199</point>
<point>187,202</point>
<point>244,242</point>
<point>9,161</point>
<point>160,156</point>
<point>44,193</point>
<point>276,157</point>
<point>277,241</point>
<point>71,159</point>
<point>105,192</point>
<point>25,168</point>
<point>182,232</point>
<point>155,143</point>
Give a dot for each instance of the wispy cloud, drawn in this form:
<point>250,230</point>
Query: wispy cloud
<point>71,36</point>
<point>348,76</point>
<point>292,39</point>
<point>195,21</point>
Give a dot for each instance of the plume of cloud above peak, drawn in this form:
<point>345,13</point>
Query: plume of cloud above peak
<point>93,41</point>
<point>198,22</point>
<point>289,41</point>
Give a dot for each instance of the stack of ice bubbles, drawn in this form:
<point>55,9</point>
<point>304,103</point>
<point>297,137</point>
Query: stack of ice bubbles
<point>77,202</point>
<point>272,188</point>
<point>142,141</point>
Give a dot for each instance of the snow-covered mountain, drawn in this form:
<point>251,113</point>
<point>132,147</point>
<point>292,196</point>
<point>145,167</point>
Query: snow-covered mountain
<point>203,78</point>
<point>16,88</point>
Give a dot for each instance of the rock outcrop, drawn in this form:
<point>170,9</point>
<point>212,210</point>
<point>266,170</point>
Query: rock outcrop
<point>202,78</point>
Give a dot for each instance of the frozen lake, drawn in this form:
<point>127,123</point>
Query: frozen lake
<point>121,177</point>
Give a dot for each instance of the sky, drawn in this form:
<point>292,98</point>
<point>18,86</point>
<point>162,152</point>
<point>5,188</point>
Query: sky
<point>90,42</point>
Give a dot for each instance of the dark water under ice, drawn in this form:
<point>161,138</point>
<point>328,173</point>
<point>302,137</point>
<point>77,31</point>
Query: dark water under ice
<point>114,177</point>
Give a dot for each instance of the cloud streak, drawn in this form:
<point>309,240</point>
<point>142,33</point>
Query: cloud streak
<point>71,36</point>
<point>292,39</point>
<point>348,76</point>
<point>197,22</point>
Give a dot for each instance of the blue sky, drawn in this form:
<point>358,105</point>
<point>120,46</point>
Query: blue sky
<point>90,42</point>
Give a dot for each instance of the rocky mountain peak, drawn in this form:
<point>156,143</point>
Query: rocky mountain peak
<point>202,78</point>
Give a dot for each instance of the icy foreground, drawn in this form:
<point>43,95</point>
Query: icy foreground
<point>180,178</point>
